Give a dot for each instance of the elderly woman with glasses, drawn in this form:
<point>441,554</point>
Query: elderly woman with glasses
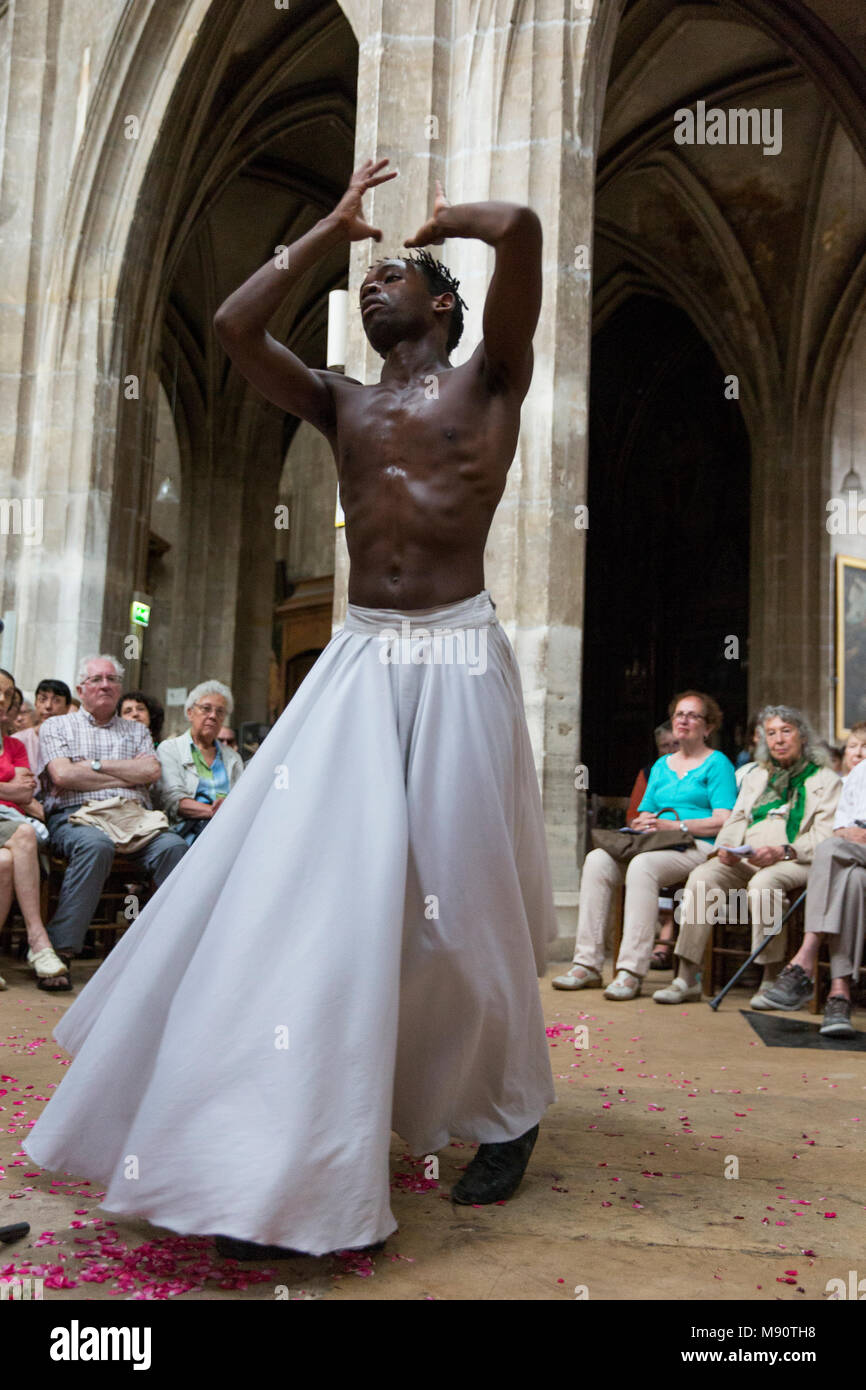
<point>198,771</point>
<point>693,790</point>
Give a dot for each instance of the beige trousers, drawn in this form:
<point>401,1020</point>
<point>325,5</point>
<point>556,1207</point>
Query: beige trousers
<point>757,901</point>
<point>836,903</point>
<point>644,878</point>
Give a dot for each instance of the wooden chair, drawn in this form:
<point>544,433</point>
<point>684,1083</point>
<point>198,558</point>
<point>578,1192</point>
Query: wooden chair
<point>126,879</point>
<point>720,951</point>
<point>109,923</point>
<point>606,812</point>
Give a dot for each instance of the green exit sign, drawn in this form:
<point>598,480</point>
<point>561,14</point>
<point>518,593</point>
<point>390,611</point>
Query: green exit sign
<point>140,613</point>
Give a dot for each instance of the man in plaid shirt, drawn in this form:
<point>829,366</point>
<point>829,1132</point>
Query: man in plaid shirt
<point>92,754</point>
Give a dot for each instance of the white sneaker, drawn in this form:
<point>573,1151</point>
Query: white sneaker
<point>587,979</point>
<point>678,992</point>
<point>3,984</point>
<point>624,985</point>
<point>760,1001</point>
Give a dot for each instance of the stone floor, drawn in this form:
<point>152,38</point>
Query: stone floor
<point>631,1193</point>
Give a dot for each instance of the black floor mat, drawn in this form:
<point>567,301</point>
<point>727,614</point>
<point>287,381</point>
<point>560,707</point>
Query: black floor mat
<point>775,1030</point>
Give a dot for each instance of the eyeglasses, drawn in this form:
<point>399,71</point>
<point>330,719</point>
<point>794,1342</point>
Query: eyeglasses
<point>102,680</point>
<point>212,709</point>
<point>688,714</point>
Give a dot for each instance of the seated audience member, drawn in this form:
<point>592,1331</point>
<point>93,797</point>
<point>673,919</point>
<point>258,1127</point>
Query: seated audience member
<point>134,704</point>
<point>27,733</point>
<point>90,756</point>
<point>835,908</point>
<point>52,697</point>
<point>854,751</point>
<point>9,715</point>
<point>20,812</point>
<point>665,743</point>
<point>746,756</point>
<point>26,717</point>
<point>692,790</point>
<point>833,756</point>
<point>784,811</point>
<point>197,770</point>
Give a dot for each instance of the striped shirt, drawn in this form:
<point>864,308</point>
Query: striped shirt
<point>78,737</point>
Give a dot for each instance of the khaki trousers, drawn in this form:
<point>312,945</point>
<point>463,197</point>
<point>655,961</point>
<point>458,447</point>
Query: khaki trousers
<point>644,877</point>
<point>836,904</point>
<point>759,904</point>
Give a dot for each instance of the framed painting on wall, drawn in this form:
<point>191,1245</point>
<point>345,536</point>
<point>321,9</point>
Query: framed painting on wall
<point>850,644</point>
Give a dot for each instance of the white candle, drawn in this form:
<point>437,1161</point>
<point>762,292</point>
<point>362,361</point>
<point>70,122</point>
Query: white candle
<point>338,319</point>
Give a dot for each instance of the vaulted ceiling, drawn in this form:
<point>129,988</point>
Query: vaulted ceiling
<point>760,249</point>
<point>275,155</point>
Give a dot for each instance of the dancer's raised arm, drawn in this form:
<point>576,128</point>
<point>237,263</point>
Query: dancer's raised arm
<point>513,300</point>
<point>241,321</point>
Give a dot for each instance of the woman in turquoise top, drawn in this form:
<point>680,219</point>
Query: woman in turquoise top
<point>692,792</point>
<point>695,789</point>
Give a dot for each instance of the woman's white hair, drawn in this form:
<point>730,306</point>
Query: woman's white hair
<point>209,688</point>
<point>86,661</point>
<point>812,749</point>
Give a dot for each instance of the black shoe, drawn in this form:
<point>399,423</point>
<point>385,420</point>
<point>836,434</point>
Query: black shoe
<point>495,1172</point>
<point>16,1232</point>
<point>229,1248</point>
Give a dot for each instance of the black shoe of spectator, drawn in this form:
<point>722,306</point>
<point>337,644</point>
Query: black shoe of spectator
<point>495,1172</point>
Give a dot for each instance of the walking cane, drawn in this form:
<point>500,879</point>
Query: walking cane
<point>714,1003</point>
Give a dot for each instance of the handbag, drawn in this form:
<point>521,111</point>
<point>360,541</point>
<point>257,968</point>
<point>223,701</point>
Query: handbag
<point>622,846</point>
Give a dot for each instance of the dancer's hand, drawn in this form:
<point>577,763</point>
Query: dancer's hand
<point>432,233</point>
<point>349,211</point>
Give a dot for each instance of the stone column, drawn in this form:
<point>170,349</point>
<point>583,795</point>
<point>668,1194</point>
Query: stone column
<point>28,76</point>
<point>505,109</point>
<point>70,185</point>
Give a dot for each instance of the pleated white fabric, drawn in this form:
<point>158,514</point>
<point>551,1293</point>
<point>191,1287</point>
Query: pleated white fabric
<point>351,945</point>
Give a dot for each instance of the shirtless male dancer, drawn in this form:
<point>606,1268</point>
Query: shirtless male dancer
<point>411,784</point>
<point>420,478</point>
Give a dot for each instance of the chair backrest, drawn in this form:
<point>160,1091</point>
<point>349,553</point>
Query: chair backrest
<point>606,812</point>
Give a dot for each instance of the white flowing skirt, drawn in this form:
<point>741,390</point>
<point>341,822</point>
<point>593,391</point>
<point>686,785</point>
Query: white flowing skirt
<point>352,945</point>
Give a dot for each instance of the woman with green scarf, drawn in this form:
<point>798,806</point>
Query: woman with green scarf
<point>784,810</point>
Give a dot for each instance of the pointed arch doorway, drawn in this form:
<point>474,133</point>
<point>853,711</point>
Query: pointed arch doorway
<point>667,584</point>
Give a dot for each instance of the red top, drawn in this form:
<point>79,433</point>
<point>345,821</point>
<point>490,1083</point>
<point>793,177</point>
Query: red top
<point>637,794</point>
<point>13,754</point>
